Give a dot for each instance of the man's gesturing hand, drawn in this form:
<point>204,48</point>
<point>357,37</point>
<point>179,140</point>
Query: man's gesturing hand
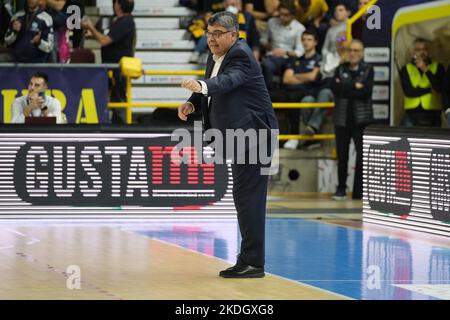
<point>184,110</point>
<point>192,85</point>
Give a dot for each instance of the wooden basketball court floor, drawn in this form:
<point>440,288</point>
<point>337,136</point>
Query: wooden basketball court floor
<point>315,249</point>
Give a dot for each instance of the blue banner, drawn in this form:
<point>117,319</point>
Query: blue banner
<point>82,92</point>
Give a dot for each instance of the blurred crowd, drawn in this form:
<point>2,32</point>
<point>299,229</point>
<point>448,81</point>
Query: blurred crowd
<point>305,56</point>
<point>35,31</point>
<point>300,45</point>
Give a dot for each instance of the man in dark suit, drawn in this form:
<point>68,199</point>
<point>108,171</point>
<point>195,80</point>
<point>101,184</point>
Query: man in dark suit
<point>234,96</point>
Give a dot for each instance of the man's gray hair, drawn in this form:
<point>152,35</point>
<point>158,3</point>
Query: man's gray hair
<point>225,19</point>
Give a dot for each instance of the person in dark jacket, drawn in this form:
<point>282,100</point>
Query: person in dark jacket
<point>30,34</point>
<point>118,43</point>
<point>233,96</point>
<point>447,95</point>
<point>353,82</point>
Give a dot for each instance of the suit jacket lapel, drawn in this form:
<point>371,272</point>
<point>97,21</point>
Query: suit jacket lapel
<point>209,67</point>
<point>227,55</point>
<point>210,64</point>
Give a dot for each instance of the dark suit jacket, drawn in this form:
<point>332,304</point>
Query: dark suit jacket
<point>239,97</point>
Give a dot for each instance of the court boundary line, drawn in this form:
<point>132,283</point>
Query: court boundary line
<point>223,260</point>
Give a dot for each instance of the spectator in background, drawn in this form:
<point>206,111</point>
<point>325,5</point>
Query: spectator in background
<point>247,31</point>
<point>36,103</point>
<point>6,13</point>
<point>333,59</point>
<point>358,25</point>
<point>65,39</point>
<point>7,10</point>
<point>447,95</point>
<point>351,4</point>
<point>55,9</point>
<point>353,83</point>
<point>213,6</point>
<point>283,41</point>
<point>247,25</point>
<point>422,82</point>
<point>30,34</point>
<point>262,10</point>
<point>311,14</point>
<point>76,35</point>
<point>341,14</point>
<point>198,26</point>
<point>118,43</point>
<point>301,79</point>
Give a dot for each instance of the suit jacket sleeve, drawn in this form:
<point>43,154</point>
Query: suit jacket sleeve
<point>196,100</point>
<point>235,73</point>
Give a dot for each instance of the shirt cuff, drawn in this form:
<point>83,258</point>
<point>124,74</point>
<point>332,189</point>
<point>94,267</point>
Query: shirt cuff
<point>204,87</point>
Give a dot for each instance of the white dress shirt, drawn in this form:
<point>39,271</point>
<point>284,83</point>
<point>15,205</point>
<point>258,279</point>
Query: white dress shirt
<point>19,105</point>
<point>285,37</point>
<point>218,62</point>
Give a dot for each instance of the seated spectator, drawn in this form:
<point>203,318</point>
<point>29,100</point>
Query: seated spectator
<point>311,14</point>
<point>447,95</point>
<point>282,42</point>
<point>247,31</point>
<point>262,10</point>
<point>36,103</point>
<point>30,34</point>
<point>422,82</point>
<point>353,84</point>
<point>198,26</point>
<point>301,80</point>
<point>341,14</point>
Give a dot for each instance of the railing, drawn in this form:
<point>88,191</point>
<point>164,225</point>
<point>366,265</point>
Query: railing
<point>355,17</point>
<point>279,105</point>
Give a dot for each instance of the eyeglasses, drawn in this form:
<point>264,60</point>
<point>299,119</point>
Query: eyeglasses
<point>216,34</point>
<point>343,38</point>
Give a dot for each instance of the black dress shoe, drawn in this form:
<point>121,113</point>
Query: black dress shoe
<point>242,271</point>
